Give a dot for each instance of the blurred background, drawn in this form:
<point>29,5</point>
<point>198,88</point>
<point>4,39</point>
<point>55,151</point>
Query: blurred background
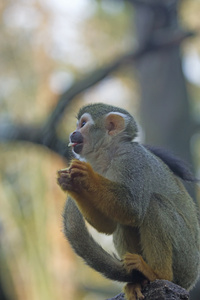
<point>56,56</point>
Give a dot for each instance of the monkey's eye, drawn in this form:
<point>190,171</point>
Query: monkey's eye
<point>83,123</point>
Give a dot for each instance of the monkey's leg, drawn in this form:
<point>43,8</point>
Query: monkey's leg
<point>158,254</point>
<point>133,291</point>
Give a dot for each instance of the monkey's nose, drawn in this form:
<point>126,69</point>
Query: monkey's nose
<point>76,137</point>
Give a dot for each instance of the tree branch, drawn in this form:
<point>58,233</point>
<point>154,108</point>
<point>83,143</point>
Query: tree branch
<point>10,132</point>
<point>46,134</point>
<point>157,42</point>
<point>162,290</point>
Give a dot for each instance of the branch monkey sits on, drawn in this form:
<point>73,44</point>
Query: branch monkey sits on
<point>134,193</point>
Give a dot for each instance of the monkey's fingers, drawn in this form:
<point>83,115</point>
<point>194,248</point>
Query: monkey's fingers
<point>77,164</point>
<point>135,261</point>
<point>65,184</point>
<point>81,173</point>
<point>131,262</point>
<point>133,291</point>
<point>76,172</point>
<point>63,172</point>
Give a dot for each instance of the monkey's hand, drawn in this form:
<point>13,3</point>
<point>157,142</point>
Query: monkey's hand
<point>78,177</point>
<point>63,179</point>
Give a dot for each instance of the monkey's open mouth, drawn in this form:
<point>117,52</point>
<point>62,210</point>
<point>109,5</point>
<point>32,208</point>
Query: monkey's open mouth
<point>76,141</point>
<point>77,147</point>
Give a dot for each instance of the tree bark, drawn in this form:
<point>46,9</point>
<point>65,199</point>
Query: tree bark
<point>160,290</point>
<point>165,110</point>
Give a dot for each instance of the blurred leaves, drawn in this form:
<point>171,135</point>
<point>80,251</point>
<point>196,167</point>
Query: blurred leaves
<point>30,224</point>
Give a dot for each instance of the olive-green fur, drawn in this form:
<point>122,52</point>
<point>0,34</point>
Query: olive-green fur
<point>155,216</point>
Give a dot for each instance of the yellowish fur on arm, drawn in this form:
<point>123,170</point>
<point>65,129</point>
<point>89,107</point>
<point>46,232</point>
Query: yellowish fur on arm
<point>84,186</point>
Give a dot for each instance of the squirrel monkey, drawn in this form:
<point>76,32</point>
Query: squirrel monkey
<point>134,193</point>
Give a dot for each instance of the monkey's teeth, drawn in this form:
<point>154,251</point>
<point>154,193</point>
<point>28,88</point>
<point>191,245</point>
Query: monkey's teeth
<point>72,144</point>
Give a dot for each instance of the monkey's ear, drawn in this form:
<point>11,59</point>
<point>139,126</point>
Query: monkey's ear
<point>115,123</point>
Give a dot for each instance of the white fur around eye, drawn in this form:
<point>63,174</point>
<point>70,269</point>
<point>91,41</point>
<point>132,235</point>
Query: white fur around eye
<point>87,118</point>
<point>83,122</point>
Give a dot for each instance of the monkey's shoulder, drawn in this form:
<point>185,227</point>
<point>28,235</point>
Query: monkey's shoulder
<point>159,160</point>
<point>137,157</point>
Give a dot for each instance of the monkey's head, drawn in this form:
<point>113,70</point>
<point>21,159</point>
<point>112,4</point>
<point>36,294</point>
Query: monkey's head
<point>101,126</point>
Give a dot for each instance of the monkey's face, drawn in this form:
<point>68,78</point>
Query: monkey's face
<point>97,133</point>
<point>80,138</point>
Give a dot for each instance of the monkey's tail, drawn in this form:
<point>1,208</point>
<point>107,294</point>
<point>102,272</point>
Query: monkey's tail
<point>91,252</point>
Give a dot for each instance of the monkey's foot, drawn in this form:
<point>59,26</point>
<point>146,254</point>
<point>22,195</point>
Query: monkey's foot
<point>133,291</point>
<point>136,262</point>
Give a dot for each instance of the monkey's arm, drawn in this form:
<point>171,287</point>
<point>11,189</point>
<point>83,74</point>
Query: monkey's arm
<point>99,199</point>
<point>71,180</point>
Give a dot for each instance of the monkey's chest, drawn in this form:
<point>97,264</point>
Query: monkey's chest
<point>127,239</point>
